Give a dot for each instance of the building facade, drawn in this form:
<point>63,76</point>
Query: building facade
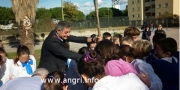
<point>140,10</point>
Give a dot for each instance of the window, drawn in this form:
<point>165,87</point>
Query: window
<point>132,2</point>
<point>132,16</point>
<point>132,9</point>
<point>159,13</point>
<point>159,6</point>
<point>138,15</point>
<point>138,1</point>
<point>137,8</point>
<point>166,5</point>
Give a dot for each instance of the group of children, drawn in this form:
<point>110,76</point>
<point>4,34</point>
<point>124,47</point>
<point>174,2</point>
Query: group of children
<point>22,66</point>
<point>157,65</point>
<point>115,63</point>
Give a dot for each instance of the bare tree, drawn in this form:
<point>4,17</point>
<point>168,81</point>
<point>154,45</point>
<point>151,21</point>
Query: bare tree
<point>97,17</point>
<point>25,13</point>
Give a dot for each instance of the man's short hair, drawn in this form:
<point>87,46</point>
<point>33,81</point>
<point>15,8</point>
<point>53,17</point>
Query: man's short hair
<point>131,31</point>
<point>61,25</point>
<point>40,72</point>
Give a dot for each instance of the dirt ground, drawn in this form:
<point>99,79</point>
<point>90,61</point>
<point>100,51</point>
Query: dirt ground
<point>171,32</point>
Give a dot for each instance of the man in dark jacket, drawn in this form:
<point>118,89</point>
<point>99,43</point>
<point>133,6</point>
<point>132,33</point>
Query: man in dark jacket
<point>159,30</point>
<point>54,52</point>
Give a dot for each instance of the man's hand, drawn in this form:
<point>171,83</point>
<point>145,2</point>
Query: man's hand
<point>98,39</point>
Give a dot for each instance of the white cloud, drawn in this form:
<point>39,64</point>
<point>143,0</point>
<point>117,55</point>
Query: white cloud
<point>88,4</point>
<point>77,4</point>
<point>91,4</point>
<point>100,2</point>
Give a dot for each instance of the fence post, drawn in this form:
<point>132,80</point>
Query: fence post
<point>166,23</point>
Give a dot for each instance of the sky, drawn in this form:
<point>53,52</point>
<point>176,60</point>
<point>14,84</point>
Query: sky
<point>86,6</point>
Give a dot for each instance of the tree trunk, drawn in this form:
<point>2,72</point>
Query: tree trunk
<point>27,39</point>
<point>27,35</point>
<point>97,17</point>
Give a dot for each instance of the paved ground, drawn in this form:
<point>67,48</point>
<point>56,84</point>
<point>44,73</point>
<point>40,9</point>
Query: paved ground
<point>171,32</point>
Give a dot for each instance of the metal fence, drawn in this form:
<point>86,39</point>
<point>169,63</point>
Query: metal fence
<point>48,25</point>
<point>165,22</point>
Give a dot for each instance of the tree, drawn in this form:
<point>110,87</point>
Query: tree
<point>56,13</point>
<point>80,16</point>
<point>25,13</point>
<point>105,12</point>
<point>70,12</point>
<point>168,15</point>
<point>117,12</point>
<point>43,13</point>
<point>125,12</point>
<point>6,13</point>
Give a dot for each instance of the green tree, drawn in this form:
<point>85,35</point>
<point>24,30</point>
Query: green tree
<point>117,12</point>
<point>81,16</point>
<point>43,13</point>
<point>56,12</point>
<point>103,12</point>
<point>125,12</point>
<point>70,12</point>
<point>6,13</point>
<point>168,15</point>
<point>91,14</point>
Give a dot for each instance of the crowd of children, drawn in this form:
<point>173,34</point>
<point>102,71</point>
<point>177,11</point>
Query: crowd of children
<point>118,62</point>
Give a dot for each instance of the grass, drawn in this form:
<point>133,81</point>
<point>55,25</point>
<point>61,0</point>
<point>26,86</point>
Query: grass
<point>12,55</point>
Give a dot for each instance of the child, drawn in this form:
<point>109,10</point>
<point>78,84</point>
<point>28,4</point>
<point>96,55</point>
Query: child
<point>24,64</point>
<point>1,44</point>
<point>55,81</point>
<point>92,45</point>
<point>152,56</point>
<point>127,41</point>
<point>126,52</point>
<point>92,71</point>
<point>146,34</point>
<point>72,73</point>
<point>167,67</point>
<point>5,66</point>
<point>117,39</point>
<point>107,35</point>
<point>141,49</point>
<point>113,64</point>
<point>160,30</point>
<point>132,32</point>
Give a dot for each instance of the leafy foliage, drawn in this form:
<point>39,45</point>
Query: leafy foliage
<point>56,12</point>
<point>6,14</point>
<point>108,12</point>
<point>169,15</point>
<point>42,13</point>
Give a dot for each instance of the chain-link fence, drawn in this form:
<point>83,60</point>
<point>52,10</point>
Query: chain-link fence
<point>165,22</point>
<point>105,22</point>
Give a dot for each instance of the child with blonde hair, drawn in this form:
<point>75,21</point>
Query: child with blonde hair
<point>141,49</point>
